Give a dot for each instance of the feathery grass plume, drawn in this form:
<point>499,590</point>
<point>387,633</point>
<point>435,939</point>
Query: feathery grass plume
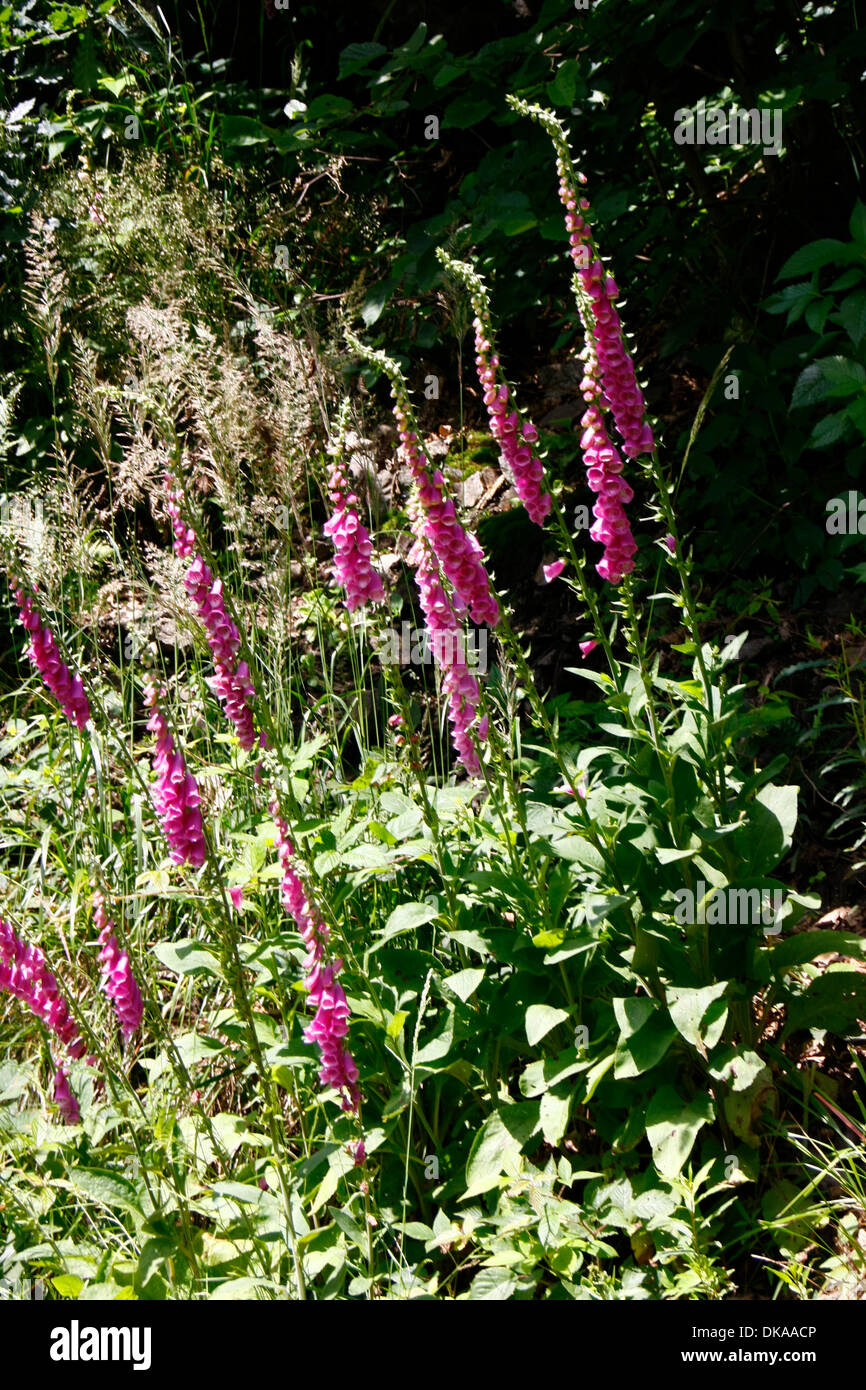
<point>175,795</point>
<point>609,382</point>
<point>351,539</point>
<point>231,684</point>
<point>331,1023</point>
<point>43,652</point>
<point>515,437</point>
<point>118,982</point>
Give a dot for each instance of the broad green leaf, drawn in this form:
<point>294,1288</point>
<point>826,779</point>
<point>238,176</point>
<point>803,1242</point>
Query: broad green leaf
<point>817,314</point>
<point>465,111</point>
<point>555,1110</point>
<point>750,1088</point>
<point>375,302</point>
<point>793,300</point>
<point>545,1073</point>
<point>356,56</point>
<point>187,957</point>
<point>564,85</point>
<point>414,1230</point>
<point>406,917</point>
<point>116,85</point>
<point>242,1289</point>
<point>843,375</point>
<point>830,430</point>
<point>694,1016</point>
<point>670,856</point>
<point>473,941</point>
<point>154,1255</point>
<point>437,1048</point>
<point>327,107</point>
<point>672,1127</point>
<point>464,983</point>
<point>613,1202</point>
<point>768,835</point>
<point>643,1049</point>
<point>814,256</point>
<point>540,1018</point>
<point>857,224</point>
<point>806,945</point>
<point>632,1014</point>
<point>110,1189</point>
<point>739,1068</point>
<point>492,1284</point>
<point>244,130</point>
<point>597,907</point>
<point>852,312</point>
<point>810,387</point>
<point>446,74</point>
<point>68,1285</point>
<point>576,850</point>
<point>835,1001</point>
<point>497,1145</point>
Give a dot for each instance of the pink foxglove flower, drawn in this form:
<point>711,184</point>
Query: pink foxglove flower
<point>603,387</point>
<point>25,975</point>
<point>604,475</point>
<point>331,1023</point>
<point>553,571</point>
<point>447,643</point>
<point>351,539</point>
<point>457,551</point>
<point>516,440</point>
<point>587,647</point>
<point>231,683</point>
<point>176,796</point>
<point>43,653</point>
<point>442,548</point>
<point>64,1099</point>
<point>621,393</point>
<point>609,382</point>
<point>118,982</point>
<point>329,1028</point>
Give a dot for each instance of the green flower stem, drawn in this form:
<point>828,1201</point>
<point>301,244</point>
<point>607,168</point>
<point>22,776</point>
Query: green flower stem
<point>234,969</point>
<point>716,747</point>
